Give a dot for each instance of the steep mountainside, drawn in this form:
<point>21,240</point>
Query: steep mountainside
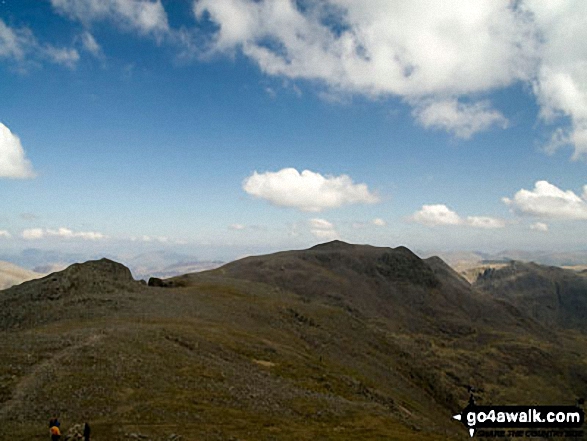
<point>551,295</point>
<point>394,284</point>
<point>337,342</point>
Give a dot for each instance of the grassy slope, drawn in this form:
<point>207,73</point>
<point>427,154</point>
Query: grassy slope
<point>228,358</point>
<point>207,362</point>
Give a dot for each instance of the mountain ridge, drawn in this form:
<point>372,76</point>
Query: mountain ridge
<point>341,341</point>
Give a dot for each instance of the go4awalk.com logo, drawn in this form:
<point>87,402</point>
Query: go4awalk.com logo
<point>537,421</point>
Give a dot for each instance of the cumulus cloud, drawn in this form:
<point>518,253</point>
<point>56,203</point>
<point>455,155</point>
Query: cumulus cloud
<point>549,201</point>
<point>237,227</point>
<point>307,191</point>
<point>143,16</point>
<point>462,120</point>
<point>421,50</point>
<point>379,222</point>
<point>64,233</point>
<point>440,214</point>
<point>539,226</point>
<point>433,215</point>
<point>323,229</point>
<point>13,161</point>
<point>561,80</point>
<point>5,234</point>
<point>379,47</point>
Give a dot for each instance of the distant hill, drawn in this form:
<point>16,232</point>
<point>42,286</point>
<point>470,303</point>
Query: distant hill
<point>553,296</point>
<point>472,273</point>
<point>167,264</point>
<point>156,263</point>
<point>339,341</point>
<point>471,264</point>
<point>11,274</point>
<point>384,282</point>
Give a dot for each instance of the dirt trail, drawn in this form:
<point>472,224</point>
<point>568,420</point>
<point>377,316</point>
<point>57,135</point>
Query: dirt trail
<point>41,373</point>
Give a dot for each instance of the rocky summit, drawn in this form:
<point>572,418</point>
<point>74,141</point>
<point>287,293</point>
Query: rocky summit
<point>338,341</point>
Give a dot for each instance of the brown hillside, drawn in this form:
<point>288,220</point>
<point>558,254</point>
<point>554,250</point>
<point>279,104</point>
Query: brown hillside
<point>553,296</point>
<point>344,343</point>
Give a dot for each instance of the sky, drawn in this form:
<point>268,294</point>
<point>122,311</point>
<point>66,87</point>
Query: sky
<point>231,127</point>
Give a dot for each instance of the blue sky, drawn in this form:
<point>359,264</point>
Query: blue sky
<point>226,127</point>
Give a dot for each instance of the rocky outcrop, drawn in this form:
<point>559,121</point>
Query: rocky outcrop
<point>161,283</point>
<point>85,286</point>
<point>94,276</point>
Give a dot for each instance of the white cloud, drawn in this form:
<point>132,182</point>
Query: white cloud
<point>18,44</point>
<point>462,120</point>
<point>33,233</point>
<point>323,229</point>
<point>378,222</point>
<point>307,191</point>
<point>418,50</point>
<point>237,227</point>
<point>539,226</point>
<point>64,56</point>
<point>561,80</point>
<point>325,234</point>
<point>5,234</point>
<point>147,238</point>
<point>144,16</point>
<point>321,224</point>
<point>485,222</point>
<point>433,215</point>
<point>440,214</point>
<point>13,162</point>
<point>13,42</point>
<point>439,51</point>
<point>65,233</point>
<point>548,201</point>
<point>382,47</point>
<point>90,44</point>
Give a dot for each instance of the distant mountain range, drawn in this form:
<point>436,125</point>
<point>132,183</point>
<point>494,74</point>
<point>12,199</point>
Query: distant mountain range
<point>338,341</point>
<point>556,258</point>
<point>158,263</point>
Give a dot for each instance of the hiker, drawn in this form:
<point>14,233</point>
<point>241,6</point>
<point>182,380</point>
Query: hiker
<point>55,433</point>
<point>86,432</point>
